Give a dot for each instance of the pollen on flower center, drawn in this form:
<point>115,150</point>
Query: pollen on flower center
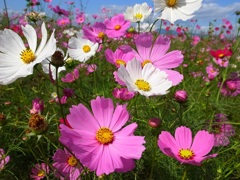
<point>40,173</point>
<point>171,3</point>
<point>138,15</point>
<point>145,62</point>
<point>119,62</point>
<point>100,35</point>
<point>220,55</point>
<point>143,85</point>
<point>72,161</point>
<point>117,27</point>
<point>186,154</point>
<point>27,56</point>
<point>86,48</point>
<point>104,135</point>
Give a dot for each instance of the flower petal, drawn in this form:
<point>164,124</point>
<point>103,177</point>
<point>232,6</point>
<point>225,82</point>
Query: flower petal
<point>183,136</point>
<point>102,109</point>
<point>202,143</point>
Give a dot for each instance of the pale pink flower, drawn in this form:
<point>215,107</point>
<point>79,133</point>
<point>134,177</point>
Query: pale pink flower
<point>211,71</point>
<point>95,33</point>
<point>63,21</point>
<point>98,140</point>
<point>122,55</point>
<point>80,18</point>
<point>184,149</point>
<point>155,52</point>
<point>72,76</point>
<point>116,26</point>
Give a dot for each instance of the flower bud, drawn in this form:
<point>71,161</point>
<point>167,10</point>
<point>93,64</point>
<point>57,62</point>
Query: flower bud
<point>37,123</point>
<point>154,122</point>
<point>57,59</point>
<point>2,119</point>
<point>181,96</point>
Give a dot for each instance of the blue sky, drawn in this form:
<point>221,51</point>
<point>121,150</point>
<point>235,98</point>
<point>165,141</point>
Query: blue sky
<point>211,9</point>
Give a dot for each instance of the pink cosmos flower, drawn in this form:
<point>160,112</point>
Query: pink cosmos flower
<point>156,53</point>
<point>60,11</point>
<point>183,148</point>
<point>211,71</point>
<point>116,26</point>
<point>98,139</point>
<point>71,77</point>
<point>195,40</point>
<point>222,130</point>
<point>231,87</point>
<point>67,165</point>
<point>37,106</point>
<point>63,21</point>
<point>122,55</point>
<point>39,171</point>
<point>123,94</point>
<point>80,18</point>
<point>3,159</point>
<point>95,33</point>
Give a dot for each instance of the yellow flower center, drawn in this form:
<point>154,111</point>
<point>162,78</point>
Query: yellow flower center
<point>119,62</point>
<point>145,62</point>
<point>138,16</point>
<point>27,56</point>
<point>117,27</point>
<point>171,3</point>
<point>186,154</point>
<point>100,35</point>
<point>86,48</point>
<point>143,85</point>
<point>220,55</point>
<point>104,135</point>
<point>72,161</point>
<point>40,173</point>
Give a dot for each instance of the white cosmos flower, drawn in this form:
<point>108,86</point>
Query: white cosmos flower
<point>137,13</point>
<point>173,10</point>
<point>17,60</point>
<point>81,49</point>
<point>148,81</point>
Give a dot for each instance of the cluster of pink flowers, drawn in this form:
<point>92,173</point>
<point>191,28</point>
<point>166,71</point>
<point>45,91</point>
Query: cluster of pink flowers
<point>222,130</point>
<point>3,159</point>
<point>231,87</point>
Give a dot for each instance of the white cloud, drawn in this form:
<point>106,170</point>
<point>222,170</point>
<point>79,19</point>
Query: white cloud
<point>211,11</point>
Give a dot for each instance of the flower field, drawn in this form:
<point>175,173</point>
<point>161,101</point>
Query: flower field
<point>134,95</point>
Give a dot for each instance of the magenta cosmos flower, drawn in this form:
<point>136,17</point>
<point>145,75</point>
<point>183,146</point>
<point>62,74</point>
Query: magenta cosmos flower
<point>95,33</point>
<point>116,26</point>
<point>155,52</point>
<point>183,148</point>
<point>39,171</point>
<point>122,55</point>
<point>3,159</point>
<point>98,140</point>
<point>67,165</point>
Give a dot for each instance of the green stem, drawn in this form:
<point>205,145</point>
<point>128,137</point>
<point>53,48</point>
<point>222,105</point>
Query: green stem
<point>153,25</point>
<point>184,174</point>
<point>138,27</point>
<point>5,5</point>
<point>59,99</point>
<point>153,157</point>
